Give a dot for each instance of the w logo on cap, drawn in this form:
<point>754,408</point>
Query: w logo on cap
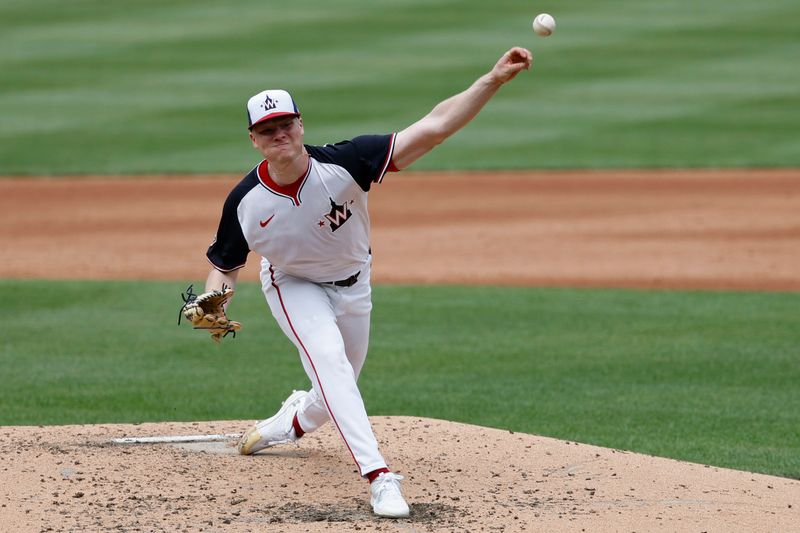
<point>269,103</point>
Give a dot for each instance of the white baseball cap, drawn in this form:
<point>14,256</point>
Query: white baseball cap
<point>268,104</point>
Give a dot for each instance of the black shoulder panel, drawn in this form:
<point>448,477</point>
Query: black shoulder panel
<point>229,250</point>
<point>366,157</point>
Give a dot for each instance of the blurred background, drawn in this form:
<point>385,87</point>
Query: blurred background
<point>91,86</point>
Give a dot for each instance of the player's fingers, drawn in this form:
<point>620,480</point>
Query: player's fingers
<point>518,51</point>
<point>522,56</point>
<point>510,70</point>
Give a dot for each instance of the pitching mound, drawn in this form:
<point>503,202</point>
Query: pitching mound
<point>458,478</point>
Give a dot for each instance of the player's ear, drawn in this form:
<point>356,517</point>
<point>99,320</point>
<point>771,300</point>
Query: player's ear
<point>252,138</point>
<point>300,123</point>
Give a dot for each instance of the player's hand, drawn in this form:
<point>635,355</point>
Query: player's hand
<point>512,63</point>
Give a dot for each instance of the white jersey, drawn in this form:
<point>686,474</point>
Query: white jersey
<point>318,227</point>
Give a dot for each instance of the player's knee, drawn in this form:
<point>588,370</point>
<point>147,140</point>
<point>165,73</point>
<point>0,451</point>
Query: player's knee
<point>332,363</point>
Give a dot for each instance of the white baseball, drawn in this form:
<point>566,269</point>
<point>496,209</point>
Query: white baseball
<point>544,24</point>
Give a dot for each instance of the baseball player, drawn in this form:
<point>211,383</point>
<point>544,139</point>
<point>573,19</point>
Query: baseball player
<point>303,209</point>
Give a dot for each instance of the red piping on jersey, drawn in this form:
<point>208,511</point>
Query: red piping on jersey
<point>223,270</point>
<point>291,191</point>
<point>388,165</point>
<point>313,367</point>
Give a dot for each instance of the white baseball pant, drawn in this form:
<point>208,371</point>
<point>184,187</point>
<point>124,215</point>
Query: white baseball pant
<point>329,326</point>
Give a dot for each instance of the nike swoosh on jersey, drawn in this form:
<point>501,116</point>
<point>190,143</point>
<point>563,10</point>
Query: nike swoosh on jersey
<point>263,223</point>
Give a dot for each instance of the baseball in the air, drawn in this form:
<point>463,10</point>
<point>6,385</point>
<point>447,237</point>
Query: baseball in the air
<point>544,24</point>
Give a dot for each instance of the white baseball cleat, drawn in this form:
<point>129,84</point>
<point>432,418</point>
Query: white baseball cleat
<point>275,430</point>
<point>387,500</point>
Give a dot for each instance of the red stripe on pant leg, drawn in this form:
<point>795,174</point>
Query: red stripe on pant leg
<point>321,390</point>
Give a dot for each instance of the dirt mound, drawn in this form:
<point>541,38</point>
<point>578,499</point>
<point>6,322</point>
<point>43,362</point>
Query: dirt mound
<point>666,229</point>
<point>458,478</point>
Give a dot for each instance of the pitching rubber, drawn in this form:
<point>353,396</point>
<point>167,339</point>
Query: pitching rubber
<point>177,438</point>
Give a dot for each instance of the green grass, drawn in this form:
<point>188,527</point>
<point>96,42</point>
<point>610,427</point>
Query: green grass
<point>709,377</point>
<point>91,86</point>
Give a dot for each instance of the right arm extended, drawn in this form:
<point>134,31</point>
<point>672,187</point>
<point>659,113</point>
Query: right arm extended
<point>454,113</point>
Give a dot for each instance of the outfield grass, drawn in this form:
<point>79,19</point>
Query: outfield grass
<point>95,86</point>
<point>709,377</point>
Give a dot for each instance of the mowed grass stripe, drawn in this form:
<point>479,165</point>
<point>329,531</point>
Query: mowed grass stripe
<point>709,377</point>
<point>98,87</point>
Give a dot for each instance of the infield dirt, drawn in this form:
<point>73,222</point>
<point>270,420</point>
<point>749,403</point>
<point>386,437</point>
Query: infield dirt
<point>669,229</point>
<point>709,230</point>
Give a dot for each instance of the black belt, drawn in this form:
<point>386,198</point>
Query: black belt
<point>349,282</point>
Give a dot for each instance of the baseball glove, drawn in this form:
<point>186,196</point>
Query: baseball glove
<point>207,311</point>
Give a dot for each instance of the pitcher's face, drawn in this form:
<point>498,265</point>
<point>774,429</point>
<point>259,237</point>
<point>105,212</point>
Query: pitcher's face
<point>279,139</point>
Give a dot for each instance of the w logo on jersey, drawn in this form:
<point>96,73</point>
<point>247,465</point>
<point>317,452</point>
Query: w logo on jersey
<point>338,215</point>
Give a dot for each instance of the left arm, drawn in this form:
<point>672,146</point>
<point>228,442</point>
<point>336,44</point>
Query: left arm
<point>454,113</point>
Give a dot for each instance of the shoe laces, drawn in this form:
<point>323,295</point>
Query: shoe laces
<point>389,481</point>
